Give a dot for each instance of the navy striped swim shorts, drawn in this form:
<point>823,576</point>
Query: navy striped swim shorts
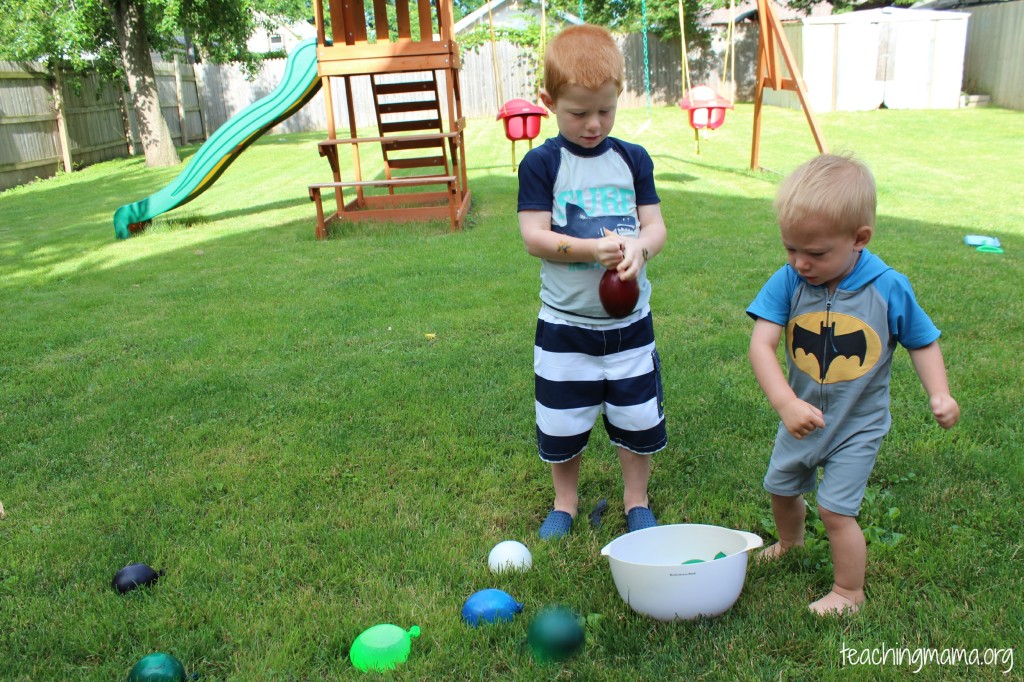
<point>581,371</point>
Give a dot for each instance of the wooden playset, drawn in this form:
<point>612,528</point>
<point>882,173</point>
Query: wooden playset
<point>412,66</point>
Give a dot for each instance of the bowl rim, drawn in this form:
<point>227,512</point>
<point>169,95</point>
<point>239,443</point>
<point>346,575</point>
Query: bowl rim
<point>753,540</point>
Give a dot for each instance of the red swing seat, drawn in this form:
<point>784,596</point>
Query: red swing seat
<point>521,119</point>
<point>705,106</point>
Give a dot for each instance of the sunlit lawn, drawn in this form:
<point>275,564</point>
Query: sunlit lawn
<point>315,437</point>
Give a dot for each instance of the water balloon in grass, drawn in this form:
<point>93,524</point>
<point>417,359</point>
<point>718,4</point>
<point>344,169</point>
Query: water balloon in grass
<point>555,634</point>
<point>509,555</point>
<point>157,667</point>
<point>382,647</point>
<point>489,606</point>
<point>134,575</point>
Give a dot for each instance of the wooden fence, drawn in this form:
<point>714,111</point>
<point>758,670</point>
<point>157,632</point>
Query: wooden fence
<point>224,90</point>
<point>994,63</point>
<point>46,125</point>
<point>39,137</point>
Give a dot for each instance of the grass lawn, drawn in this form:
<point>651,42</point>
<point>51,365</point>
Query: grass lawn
<point>315,437</point>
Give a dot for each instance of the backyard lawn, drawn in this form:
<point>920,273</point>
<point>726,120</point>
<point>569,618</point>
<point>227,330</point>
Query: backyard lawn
<point>312,438</point>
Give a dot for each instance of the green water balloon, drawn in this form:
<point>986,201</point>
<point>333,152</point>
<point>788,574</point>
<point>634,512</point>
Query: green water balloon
<point>555,634</point>
<point>157,667</point>
<point>382,647</point>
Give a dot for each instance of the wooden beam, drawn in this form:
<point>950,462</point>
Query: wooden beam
<point>798,83</point>
<point>63,139</point>
<point>318,20</point>
<point>424,10</point>
<point>380,20</point>
<point>382,51</point>
<point>402,14</point>
<point>362,67</point>
<point>771,41</point>
<point>179,93</point>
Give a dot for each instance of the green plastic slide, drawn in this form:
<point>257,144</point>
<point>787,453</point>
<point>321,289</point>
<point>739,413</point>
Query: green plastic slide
<point>299,85</point>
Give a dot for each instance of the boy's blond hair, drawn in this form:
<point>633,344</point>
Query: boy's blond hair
<point>837,189</point>
<point>584,55</point>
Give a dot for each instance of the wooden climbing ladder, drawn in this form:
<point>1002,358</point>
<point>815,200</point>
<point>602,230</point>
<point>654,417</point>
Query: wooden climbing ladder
<point>413,73</point>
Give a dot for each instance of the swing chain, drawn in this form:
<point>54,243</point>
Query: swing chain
<point>647,62</point>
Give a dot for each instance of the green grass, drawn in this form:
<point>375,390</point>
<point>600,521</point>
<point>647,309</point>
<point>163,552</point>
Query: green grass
<point>265,417</point>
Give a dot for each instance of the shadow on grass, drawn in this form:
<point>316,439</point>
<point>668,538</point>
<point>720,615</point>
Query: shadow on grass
<point>40,230</point>
<point>48,223</point>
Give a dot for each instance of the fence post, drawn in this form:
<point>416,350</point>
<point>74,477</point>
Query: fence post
<point>126,120</point>
<point>180,94</point>
<point>63,141</point>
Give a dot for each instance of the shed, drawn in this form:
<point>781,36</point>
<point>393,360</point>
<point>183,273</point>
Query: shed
<point>891,57</point>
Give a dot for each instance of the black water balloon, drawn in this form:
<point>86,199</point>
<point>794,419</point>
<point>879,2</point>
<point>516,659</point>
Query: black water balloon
<point>134,575</point>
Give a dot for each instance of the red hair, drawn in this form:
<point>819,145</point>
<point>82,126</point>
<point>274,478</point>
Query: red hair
<point>585,55</point>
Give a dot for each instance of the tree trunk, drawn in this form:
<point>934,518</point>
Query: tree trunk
<point>129,19</point>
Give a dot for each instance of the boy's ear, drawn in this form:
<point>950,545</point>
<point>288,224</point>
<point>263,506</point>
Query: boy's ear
<point>547,99</point>
<point>862,236</point>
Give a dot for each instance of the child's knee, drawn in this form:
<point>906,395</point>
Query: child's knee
<point>833,519</point>
<point>787,501</point>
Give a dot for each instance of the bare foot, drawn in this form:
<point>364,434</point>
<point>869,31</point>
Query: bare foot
<point>773,552</point>
<point>834,603</point>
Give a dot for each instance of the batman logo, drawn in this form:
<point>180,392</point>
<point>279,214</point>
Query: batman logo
<point>832,347</point>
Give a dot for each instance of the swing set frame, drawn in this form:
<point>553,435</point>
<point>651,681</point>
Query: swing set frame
<point>771,42</point>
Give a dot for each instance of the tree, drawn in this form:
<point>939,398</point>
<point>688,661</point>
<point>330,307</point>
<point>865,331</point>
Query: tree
<point>116,37</point>
<point>626,16</point>
<point>618,16</point>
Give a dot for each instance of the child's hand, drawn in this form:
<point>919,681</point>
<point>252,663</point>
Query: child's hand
<point>630,255</point>
<point>945,409</point>
<point>610,249</point>
<point>800,418</point>
<point>633,258</point>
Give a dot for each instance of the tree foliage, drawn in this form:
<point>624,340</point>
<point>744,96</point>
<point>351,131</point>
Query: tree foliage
<point>83,34</point>
<point>115,37</point>
<point>618,16</point>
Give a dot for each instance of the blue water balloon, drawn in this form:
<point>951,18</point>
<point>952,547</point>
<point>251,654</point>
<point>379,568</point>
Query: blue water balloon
<point>488,606</point>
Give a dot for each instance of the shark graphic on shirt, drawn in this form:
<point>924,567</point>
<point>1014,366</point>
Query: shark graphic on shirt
<point>579,224</point>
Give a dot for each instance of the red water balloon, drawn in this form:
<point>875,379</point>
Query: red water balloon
<point>618,296</point>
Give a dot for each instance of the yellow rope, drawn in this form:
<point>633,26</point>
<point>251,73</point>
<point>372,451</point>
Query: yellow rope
<point>729,63</point>
<point>544,28</point>
<point>682,41</point>
<point>494,62</point>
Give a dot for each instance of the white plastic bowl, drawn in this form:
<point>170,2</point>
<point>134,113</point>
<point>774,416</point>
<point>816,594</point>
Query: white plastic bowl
<point>651,574</point>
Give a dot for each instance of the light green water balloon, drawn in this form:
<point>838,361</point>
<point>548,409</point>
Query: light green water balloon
<point>382,647</point>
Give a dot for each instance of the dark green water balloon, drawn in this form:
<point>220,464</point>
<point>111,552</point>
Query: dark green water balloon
<point>158,667</point>
<point>555,634</point>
